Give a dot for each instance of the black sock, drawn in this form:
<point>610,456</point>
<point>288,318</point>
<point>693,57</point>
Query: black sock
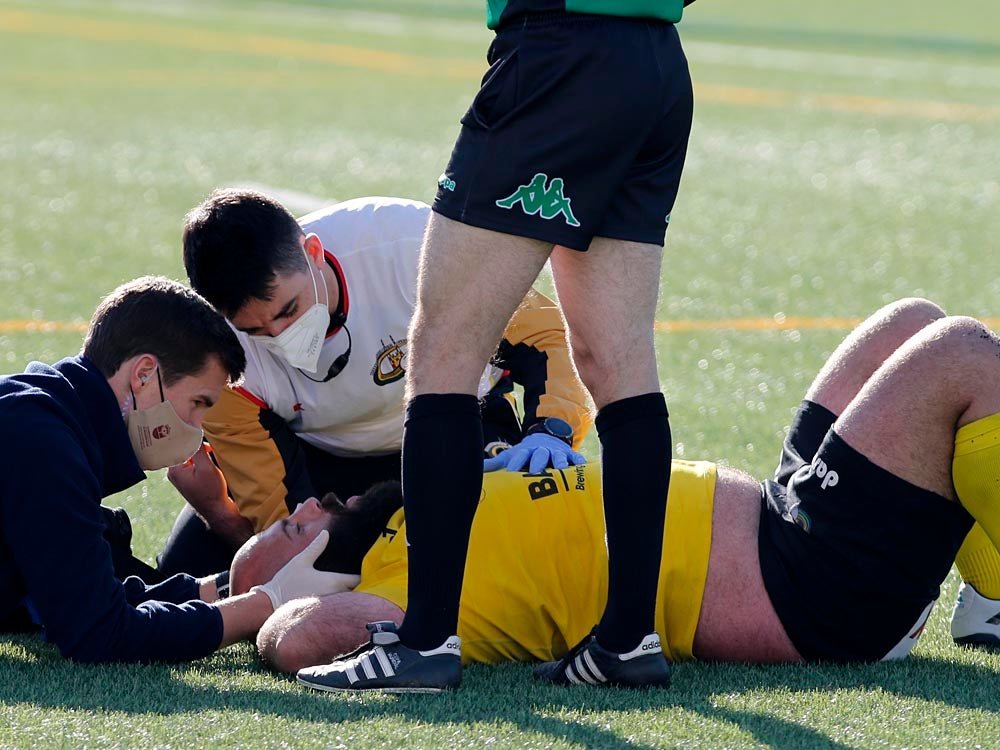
<point>635,459</point>
<point>442,481</point>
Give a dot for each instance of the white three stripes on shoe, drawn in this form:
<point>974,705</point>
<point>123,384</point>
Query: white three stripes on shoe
<point>367,664</point>
<point>583,669</point>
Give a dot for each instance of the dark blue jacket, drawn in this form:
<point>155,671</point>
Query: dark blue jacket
<point>63,447</point>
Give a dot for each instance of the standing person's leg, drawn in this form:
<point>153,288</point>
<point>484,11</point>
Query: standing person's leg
<point>471,281</point>
<point>580,126</point>
<point>608,297</point>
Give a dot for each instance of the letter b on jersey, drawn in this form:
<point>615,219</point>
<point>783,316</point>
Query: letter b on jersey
<point>542,488</point>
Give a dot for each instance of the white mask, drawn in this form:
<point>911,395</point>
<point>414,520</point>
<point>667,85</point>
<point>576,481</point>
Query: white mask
<point>301,343</point>
<point>159,437</point>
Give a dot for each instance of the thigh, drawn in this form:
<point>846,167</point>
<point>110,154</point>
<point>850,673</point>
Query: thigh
<point>570,112</point>
<point>737,620</point>
<point>193,549</point>
<point>608,297</point>
<point>865,349</point>
<point>470,282</point>
<point>904,418</point>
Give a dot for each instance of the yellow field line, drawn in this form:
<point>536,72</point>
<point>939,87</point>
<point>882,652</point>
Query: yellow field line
<point>251,45</point>
<point>777,323</point>
<point>849,103</point>
<point>40,326</point>
<point>397,63</point>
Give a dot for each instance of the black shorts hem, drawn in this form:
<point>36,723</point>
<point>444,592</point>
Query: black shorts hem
<point>530,232</point>
<point>512,228</point>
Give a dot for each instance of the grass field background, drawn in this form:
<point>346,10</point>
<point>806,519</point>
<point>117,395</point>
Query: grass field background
<point>843,155</point>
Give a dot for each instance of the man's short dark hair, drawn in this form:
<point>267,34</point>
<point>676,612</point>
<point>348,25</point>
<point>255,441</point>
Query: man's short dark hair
<point>235,245</point>
<point>158,316</point>
<point>357,526</point>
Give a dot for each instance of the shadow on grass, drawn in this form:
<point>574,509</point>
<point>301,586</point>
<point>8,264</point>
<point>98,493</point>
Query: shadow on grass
<point>31,673</point>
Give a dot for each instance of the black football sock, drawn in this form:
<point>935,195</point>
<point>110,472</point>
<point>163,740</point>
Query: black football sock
<point>635,459</point>
<point>442,481</point>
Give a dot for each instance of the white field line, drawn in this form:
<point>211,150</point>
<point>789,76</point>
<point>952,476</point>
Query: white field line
<point>843,64</point>
<point>296,202</point>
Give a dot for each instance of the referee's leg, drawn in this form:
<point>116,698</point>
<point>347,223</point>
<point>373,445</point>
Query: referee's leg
<point>608,296</point>
<point>471,281</point>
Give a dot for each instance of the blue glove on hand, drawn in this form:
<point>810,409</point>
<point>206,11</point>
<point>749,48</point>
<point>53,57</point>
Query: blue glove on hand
<point>538,451</point>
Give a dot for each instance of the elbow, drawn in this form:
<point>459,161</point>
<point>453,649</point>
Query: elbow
<point>280,643</point>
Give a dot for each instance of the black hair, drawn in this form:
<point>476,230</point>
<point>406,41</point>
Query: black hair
<point>357,526</point>
<point>236,243</point>
<point>159,316</point>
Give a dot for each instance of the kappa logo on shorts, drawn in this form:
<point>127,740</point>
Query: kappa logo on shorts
<point>388,366</point>
<point>446,183</point>
<point>535,198</point>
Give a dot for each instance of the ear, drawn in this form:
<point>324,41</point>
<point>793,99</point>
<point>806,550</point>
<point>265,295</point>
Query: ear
<point>314,250</point>
<point>142,369</point>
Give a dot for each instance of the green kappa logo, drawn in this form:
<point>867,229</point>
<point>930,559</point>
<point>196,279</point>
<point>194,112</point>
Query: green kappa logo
<point>535,198</point>
<point>446,182</point>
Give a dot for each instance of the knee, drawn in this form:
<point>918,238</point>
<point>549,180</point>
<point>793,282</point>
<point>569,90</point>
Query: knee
<point>965,331</point>
<point>912,314</point>
<point>617,368</point>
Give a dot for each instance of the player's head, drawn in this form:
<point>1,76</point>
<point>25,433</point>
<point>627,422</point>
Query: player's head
<point>353,525</point>
<point>236,245</point>
<point>161,318</point>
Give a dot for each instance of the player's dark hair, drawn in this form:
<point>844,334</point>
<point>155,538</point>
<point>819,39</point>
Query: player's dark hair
<point>236,243</point>
<point>358,526</point>
<point>158,316</point>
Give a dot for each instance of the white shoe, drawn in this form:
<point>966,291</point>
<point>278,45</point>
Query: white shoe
<point>976,621</point>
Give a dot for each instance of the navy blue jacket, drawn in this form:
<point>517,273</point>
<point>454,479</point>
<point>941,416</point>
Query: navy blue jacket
<point>63,447</point>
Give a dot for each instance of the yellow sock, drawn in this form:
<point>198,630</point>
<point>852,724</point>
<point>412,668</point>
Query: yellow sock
<point>976,473</point>
<point>979,563</point>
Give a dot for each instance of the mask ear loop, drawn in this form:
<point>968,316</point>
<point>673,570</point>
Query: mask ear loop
<point>129,404</point>
<point>312,277</point>
<point>160,382</point>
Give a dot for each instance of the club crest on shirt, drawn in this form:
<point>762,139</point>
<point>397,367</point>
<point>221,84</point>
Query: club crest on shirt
<point>388,366</point>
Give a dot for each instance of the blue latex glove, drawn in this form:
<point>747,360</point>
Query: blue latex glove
<point>538,452</point>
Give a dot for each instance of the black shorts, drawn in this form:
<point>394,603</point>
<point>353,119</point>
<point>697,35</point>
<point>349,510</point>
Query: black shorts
<point>580,130</point>
<point>851,555</point>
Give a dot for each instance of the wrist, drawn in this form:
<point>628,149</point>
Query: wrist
<point>554,427</point>
<point>271,595</point>
<point>221,581</point>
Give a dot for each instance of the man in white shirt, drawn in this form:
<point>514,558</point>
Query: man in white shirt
<point>321,306</point>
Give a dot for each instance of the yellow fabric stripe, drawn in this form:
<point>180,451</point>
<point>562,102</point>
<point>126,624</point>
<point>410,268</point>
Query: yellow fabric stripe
<point>538,323</point>
<point>687,544</point>
<point>249,459</point>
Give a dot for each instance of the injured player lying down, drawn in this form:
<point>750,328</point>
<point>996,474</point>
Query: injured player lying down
<point>839,557</point>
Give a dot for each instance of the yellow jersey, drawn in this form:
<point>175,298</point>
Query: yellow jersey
<point>536,576</point>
